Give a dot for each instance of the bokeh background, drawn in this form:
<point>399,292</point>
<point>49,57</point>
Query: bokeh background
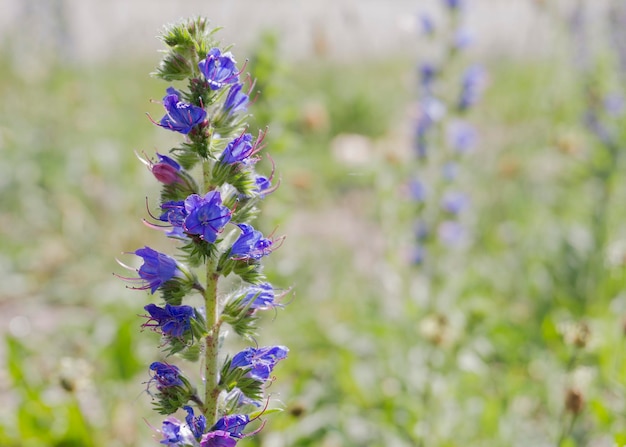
<point>513,337</point>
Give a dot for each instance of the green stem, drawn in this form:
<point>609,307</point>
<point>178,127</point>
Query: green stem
<point>211,390</point>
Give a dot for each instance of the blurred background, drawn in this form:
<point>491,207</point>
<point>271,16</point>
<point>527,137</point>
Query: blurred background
<point>499,321</point>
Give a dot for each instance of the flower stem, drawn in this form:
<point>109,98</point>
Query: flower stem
<point>211,390</point>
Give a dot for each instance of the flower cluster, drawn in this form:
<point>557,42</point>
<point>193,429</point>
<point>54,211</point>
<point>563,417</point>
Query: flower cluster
<point>443,136</point>
<point>209,219</point>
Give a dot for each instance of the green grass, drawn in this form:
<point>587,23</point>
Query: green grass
<point>73,196</point>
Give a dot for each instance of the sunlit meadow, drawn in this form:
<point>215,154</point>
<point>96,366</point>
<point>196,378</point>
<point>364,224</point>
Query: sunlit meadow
<point>501,322</point>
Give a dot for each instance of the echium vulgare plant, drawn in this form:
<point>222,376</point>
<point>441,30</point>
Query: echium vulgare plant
<point>209,197</point>
<point>448,89</point>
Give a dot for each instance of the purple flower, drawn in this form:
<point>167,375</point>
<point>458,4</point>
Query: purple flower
<point>175,433</point>
<point>462,39</point>
<point>472,86</point>
<point>165,375</point>
<point>450,170</point>
<point>157,268</point>
<point>251,244</point>
<point>172,320</point>
<point>454,202</point>
<point>196,424</point>
<point>260,297</point>
<point>261,360</point>
<point>453,4</point>
<point>180,117</point>
<point>419,255</point>
<point>166,170</point>
<point>614,104</point>
<point>461,136</point>
<point>219,69</point>
<point>418,190</point>
<point>239,150</point>
<point>174,213</point>
<point>218,438</point>
<point>263,185</point>
<point>451,233</point>
<point>428,73</point>
<point>206,216</point>
<point>236,100</point>
<point>427,24</point>
<point>233,424</point>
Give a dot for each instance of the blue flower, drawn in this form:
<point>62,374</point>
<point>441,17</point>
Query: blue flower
<point>261,360</point>
<point>236,100</point>
<point>196,424</point>
<point>218,438</point>
<point>157,268</point>
<point>233,424</point>
<point>251,244</point>
<point>472,86</point>
<point>239,150</point>
<point>166,170</point>
<point>263,185</point>
<point>454,4</point>
<point>451,233</point>
<point>165,375</point>
<point>219,69</point>
<point>174,213</point>
<point>172,320</point>
<point>462,38</point>
<point>428,73</point>
<point>454,202</point>
<point>418,190</point>
<point>461,136</point>
<point>175,433</point>
<point>206,216</point>
<point>260,297</point>
<point>427,24</point>
<point>180,117</point>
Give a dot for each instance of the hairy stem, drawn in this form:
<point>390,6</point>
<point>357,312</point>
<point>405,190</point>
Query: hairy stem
<point>211,390</point>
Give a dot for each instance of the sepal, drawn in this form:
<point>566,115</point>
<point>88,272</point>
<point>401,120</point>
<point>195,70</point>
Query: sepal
<point>240,316</point>
<point>173,291</point>
<point>231,378</point>
<point>180,189</point>
<point>248,270</point>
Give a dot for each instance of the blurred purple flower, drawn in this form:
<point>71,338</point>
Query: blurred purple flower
<point>472,85</point>
<point>614,104</point>
<point>461,136</point>
<point>462,39</point>
<point>454,4</point>
<point>451,233</point>
<point>426,23</point>
<point>418,190</point>
<point>454,202</point>
<point>450,170</point>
